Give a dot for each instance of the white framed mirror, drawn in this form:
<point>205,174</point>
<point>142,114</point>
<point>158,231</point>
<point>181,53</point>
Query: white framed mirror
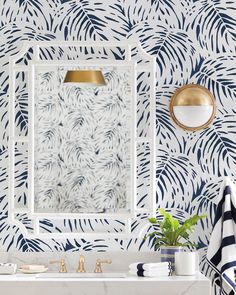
<point>82,146</point>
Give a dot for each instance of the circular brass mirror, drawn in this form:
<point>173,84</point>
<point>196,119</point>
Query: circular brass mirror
<point>192,107</point>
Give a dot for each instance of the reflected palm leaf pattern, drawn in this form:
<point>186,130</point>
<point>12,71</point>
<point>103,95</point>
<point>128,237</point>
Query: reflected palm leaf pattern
<point>82,144</point>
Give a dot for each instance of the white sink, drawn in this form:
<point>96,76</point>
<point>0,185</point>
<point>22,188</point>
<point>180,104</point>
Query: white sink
<point>81,275</point>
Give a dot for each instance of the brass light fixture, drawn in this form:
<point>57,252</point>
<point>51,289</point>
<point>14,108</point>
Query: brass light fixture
<point>192,107</point>
<point>91,78</point>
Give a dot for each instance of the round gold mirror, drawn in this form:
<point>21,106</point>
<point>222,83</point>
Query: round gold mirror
<point>192,107</point>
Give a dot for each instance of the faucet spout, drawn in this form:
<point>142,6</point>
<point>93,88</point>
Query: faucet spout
<point>81,264</point>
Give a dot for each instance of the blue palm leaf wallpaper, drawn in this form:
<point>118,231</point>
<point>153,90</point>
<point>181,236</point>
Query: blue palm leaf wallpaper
<point>193,41</point>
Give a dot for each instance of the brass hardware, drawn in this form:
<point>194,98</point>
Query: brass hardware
<point>81,264</point>
<point>98,267</point>
<point>192,95</point>
<point>86,77</point>
<point>62,264</point>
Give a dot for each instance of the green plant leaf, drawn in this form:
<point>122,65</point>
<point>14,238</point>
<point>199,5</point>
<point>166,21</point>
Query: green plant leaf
<point>152,220</point>
<point>188,225</point>
<point>151,234</point>
<point>173,221</point>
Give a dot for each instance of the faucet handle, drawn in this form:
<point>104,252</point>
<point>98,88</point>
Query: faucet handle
<point>62,264</point>
<point>98,266</point>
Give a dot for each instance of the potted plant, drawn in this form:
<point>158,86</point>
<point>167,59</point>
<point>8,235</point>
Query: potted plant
<point>171,236</point>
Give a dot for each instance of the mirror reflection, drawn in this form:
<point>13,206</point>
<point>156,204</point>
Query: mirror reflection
<point>82,142</point>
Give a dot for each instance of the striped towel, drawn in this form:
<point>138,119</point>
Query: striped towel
<point>150,273</point>
<point>221,254</point>
<point>149,266</point>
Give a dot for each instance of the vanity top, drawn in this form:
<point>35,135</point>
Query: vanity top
<point>128,278</point>
<point>29,284</point>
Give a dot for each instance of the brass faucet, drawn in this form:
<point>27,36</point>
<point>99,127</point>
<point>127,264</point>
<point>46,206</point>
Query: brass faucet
<point>81,264</point>
<point>62,265</point>
<point>98,266</point>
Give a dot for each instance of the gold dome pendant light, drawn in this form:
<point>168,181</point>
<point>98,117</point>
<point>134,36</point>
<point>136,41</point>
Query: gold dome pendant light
<point>91,78</point>
<point>192,107</point>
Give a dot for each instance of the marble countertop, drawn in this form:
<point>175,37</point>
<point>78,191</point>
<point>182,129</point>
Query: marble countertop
<point>129,278</point>
<point>28,284</point>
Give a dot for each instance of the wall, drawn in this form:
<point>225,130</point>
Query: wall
<point>193,41</point>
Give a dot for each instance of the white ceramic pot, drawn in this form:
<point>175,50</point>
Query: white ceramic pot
<point>186,263</point>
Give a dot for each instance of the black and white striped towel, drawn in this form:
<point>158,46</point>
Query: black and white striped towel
<point>221,253</point>
<point>149,266</point>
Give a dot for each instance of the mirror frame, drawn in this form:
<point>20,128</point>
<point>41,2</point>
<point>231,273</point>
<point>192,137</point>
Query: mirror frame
<point>129,60</point>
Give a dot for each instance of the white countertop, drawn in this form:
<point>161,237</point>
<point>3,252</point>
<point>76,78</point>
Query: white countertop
<point>28,284</point>
<point>129,278</point>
